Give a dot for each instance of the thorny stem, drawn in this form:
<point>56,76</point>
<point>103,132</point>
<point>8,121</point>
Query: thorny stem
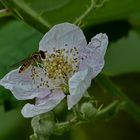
<point>92,6</point>
<point>66,126</point>
<point>104,113</point>
<point>23,11</point>
<point>109,109</point>
<point>89,9</point>
<point>128,105</point>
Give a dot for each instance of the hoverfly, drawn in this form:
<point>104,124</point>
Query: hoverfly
<point>31,60</point>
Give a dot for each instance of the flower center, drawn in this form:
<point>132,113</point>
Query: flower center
<point>59,66</point>
<point>56,69</point>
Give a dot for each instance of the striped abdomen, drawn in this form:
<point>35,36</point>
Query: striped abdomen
<point>25,65</point>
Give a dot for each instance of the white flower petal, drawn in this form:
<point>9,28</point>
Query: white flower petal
<point>78,84</point>
<point>62,36</point>
<point>43,105</point>
<point>95,52</point>
<point>22,86</point>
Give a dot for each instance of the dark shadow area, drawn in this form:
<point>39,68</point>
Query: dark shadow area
<point>114,29</point>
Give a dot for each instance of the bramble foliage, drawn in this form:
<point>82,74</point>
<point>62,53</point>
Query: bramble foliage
<point>115,90</point>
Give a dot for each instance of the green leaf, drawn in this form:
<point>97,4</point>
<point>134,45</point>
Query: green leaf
<point>123,56</point>
<point>42,14</point>
<point>129,105</point>
<point>11,124</point>
<point>113,10</point>
<point>17,42</point>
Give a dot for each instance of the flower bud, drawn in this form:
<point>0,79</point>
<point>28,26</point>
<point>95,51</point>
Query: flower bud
<point>33,137</point>
<point>43,125</point>
<point>88,110</point>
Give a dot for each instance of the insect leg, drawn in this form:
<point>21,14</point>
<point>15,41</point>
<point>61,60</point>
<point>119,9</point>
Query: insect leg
<point>33,73</point>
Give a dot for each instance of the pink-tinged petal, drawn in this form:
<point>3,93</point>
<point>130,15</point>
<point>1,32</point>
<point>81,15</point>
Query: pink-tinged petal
<point>22,86</point>
<point>43,105</point>
<point>94,54</point>
<point>62,36</point>
<point>78,84</point>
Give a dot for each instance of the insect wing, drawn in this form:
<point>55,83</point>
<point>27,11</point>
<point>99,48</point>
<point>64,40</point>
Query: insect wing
<point>18,63</point>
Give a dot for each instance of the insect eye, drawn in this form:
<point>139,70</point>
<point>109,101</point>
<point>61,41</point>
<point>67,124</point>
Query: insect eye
<point>42,54</point>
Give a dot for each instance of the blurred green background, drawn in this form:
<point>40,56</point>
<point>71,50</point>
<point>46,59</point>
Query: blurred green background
<point>23,25</point>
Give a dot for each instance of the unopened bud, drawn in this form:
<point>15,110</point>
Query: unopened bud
<point>88,110</point>
<point>43,125</point>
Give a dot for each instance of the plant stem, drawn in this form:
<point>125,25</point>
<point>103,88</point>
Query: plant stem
<point>24,12</point>
<point>89,9</point>
<point>128,105</point>
<point>108,110</point>
<point>5,13</point>
<point>94,4</point>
